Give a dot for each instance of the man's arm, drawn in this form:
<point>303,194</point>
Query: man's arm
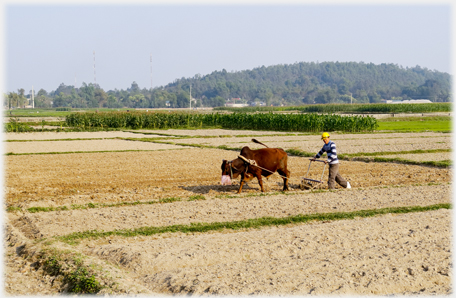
<point>320,153</point>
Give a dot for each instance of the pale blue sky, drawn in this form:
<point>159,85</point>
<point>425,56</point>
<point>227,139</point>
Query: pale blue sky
<point>46,45</point>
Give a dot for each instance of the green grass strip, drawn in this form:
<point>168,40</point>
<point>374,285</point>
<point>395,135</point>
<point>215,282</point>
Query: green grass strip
<point>297,152</point>
<point>96,205</point>
<point>80,278</point>
<point>423,118</point>
<point>439,163</point>
<point>249,223</point>
<point>419,151</point>
<point>416,126</point>
<point>364,156</point>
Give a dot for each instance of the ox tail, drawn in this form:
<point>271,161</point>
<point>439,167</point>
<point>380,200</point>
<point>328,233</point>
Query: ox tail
<point>258,142</point>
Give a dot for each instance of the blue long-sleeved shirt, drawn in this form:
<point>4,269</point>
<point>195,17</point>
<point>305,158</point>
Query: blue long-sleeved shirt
<point>330,149</point>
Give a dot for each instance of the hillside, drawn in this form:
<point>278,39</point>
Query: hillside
<point>288,84</point>
<point>328,82</point>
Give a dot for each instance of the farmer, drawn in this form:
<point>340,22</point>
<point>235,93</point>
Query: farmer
<point>330,148</point>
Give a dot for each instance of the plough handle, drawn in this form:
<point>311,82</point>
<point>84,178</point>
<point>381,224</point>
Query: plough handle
<point>316,160</point>
<point>323,172</point>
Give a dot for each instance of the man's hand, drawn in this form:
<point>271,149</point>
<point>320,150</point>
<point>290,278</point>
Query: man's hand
<point>313,158</point>
<point>326,161</point>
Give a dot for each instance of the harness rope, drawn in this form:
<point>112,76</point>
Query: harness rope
<point>253,163</point>
<point>248,162</point>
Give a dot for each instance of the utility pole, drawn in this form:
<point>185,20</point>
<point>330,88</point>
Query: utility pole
<point>351,98</point>
<point>190,97</point>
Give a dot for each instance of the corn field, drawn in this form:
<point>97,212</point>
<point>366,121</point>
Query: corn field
<point>265,121</point>
<point>353,108</point>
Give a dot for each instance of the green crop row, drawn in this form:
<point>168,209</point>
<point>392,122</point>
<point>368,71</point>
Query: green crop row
<point>269,121</point>
<point>353,108</point>
<point>15,126</point>
<point>297,122</point>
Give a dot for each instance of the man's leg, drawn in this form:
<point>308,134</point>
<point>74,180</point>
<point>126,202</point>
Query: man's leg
<point>342,182</point>
<point>333,171</point>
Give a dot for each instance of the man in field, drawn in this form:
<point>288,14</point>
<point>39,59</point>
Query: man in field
<point>330,148</point>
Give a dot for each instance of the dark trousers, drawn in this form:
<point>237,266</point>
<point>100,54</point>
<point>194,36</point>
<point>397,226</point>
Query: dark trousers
<point>334,177</point>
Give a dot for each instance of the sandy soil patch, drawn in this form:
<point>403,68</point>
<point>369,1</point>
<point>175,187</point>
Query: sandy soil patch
<point>391,254</point>
<point>346,144</point>
<point>212,132</point>
<point>230,132</point>
<point>21,278</point>
<point>112,177</point>
<point>86,145</point>
<point>74,135</point>
<point>422,157</point>
<point>48,224</point>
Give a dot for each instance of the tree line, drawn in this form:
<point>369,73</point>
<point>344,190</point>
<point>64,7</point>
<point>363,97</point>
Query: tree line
<point>287,84</point>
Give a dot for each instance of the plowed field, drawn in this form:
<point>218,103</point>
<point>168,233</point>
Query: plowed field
<point>113,185</point>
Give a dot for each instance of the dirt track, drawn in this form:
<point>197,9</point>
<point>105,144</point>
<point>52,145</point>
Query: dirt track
<point>391,254</point>
<point>404,254</point>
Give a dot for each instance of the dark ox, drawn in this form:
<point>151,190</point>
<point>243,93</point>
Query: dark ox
<point>268,161</point>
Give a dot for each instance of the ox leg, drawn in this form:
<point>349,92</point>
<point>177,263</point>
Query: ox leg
<point>285,173</point>
<point>241,184</point>
<point>260,181</point>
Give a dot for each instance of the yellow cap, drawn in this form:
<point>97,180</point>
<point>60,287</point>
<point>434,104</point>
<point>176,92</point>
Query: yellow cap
<point>325,135</point>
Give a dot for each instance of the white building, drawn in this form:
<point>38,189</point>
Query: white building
<point>236,105</point>
<point>407,101</point>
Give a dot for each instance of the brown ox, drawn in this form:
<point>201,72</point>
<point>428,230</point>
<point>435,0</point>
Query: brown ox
<point>267,160</point>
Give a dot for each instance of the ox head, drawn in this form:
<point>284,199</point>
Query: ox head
<point>232,168</point>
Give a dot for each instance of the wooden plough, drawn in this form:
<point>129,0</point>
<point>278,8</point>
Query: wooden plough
<point>307,183</point>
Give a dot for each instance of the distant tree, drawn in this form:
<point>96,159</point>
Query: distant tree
<point>159,99</point>
<point>265,94</point>
<point>343,87</point>
<point>374,98</point>
<point>100,97</point>
<point>137,100</point>
<point>172,99</point>
<point>63,89</point>
<point>87,94</point>
<point>61,100</point>
<point>13,100</point>
<point>326,95</point>
<point>134,88</point>
<point>345,98</point>
<point>217,101</point>
<point>183,100</point>
<point>42,100</point>
<point>42,92</point>
<point>443,97</point>
<point>362,97</point>
<point>21,98</point>
<point>74,99</point>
